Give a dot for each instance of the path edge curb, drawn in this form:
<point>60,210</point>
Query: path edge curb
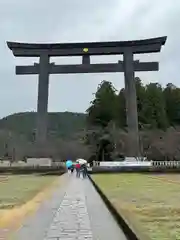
<point>129,233</point>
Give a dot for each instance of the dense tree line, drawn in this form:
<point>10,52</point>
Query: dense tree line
<point>158,107</point>
<point>158,113</point>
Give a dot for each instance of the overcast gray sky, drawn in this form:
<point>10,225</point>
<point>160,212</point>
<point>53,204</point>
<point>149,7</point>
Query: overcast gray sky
<point>82,20</point>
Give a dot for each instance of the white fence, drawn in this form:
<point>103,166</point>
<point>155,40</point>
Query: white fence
<point>156,164</point>
<point>166,164</point>
<point>125,163</point>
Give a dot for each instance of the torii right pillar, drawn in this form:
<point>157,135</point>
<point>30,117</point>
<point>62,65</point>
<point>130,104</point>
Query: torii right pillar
<point>131,105</point>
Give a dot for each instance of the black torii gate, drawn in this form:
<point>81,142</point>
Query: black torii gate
<point>128,66</point>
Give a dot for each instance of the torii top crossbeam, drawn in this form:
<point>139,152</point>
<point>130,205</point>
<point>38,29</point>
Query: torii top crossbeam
<point>89,48</point>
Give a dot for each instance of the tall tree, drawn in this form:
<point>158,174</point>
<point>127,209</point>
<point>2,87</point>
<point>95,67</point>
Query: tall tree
<point>103,107</point>
<point>155,110</point>
<point>141,97</point>
<point>121,109</point>
<point>172,100</point>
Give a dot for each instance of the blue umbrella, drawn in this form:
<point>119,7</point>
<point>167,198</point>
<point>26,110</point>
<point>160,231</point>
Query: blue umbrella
<point>69,163</point>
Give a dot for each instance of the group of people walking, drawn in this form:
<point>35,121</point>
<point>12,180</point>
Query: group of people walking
<point>79,168</point>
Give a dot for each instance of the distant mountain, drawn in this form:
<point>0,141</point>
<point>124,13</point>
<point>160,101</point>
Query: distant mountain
<point>18,130</point>
<point>60,124</point>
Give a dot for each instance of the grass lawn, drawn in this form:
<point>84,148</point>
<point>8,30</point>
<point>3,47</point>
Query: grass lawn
<point>151,203</point>
<point>16,190</point>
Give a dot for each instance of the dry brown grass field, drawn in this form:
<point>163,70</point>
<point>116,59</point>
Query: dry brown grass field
<point>150,203</point>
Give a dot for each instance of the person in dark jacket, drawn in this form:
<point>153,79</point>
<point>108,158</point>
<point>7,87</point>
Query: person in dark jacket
<point>72,168</point>
<point>84,170</point>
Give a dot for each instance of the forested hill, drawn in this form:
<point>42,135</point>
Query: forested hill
<point>61,124</point>
<point>158,108</point>
<point>103,129</point>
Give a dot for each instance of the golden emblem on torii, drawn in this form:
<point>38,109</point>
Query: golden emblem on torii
<point>85,50</point>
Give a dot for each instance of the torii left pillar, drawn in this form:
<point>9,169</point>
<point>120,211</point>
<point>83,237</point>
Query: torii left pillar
<point>42,105</point>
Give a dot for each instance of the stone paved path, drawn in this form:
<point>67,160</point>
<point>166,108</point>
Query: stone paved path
<point>74,213</point>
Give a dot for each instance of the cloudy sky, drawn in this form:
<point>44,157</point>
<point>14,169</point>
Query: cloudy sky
<point>82,20</point>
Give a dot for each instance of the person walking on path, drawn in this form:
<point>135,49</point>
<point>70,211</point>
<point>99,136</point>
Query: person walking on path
<point>84,170</point>
<point>69,165</point>
<point>72,169</point>
<point>78,167</point>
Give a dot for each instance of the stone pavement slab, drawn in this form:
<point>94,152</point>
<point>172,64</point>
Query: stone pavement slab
<point>75,212</point>
<point>72,220</point>
<point>36,225</point>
